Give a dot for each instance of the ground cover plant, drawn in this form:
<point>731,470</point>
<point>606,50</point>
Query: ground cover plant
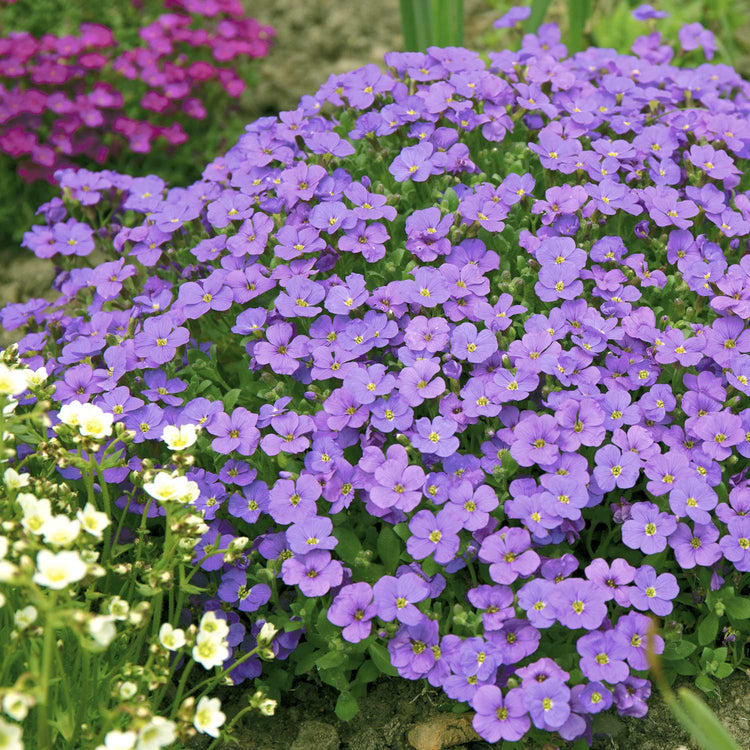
<point>130,85</point>
<point>442,375</point>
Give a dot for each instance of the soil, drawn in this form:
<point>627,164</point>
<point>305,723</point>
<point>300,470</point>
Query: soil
<point>314,39</point>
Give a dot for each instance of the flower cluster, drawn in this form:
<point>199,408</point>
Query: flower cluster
<point>462,355</point>
<point>84,99</point>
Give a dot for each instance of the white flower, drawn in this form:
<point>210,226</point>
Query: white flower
<point>25,617</point>
<point>93,521</point>
<point>210,651</point>
<point>60,530</point>
<point>267,633</point>
<point>35,377</point>
<point>8,571</point>
<point>17,705</point>
<point>69,413</point>
<point>128,689</point>
<point>93,422</point>
<point>118,608</point>
<point>12,382</point>
<point>57,570</point>
<point>36,512</point>
<point>10,736</point>
<point>190,492</point>
<point>214,625</point>
<point>165,487</point>
<point>115,740</point>
<point>13,480</point>
<point>102,629</point>
<point>209,716</point>
<point>179,438</point>
<point>158,733</point>
<point>171,638</point>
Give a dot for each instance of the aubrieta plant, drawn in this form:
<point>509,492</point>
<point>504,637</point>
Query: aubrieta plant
<point>460,350</point>
<point>90,98</point>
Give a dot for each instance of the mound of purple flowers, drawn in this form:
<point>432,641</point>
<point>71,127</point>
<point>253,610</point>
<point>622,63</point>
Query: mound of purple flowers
<point>469,348</point>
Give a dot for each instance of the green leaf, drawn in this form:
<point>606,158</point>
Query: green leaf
<point>708,630</point>
<point>704,724</point>
<point>698,719</point>
<point>430,567</point>
<point>738,607</point>
<point>723,670</point>
<point>705,683</point>
<point>368,672</point>
<point>678,650</point>
<point>538,12</point>
<point>346,706</point>
<point>305,656</point>
<point>382,659</point>
<point>230,399</point>
<point>349,545</point>
<point>578,13</point>
<point>335,678</point>
<point>330,660</point>
<point>389,548</point>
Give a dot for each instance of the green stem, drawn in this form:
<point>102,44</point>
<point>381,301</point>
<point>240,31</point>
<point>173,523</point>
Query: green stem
<point>181,688</point>
<point>210,682</point>
<point>82,698</point>
<point>43,725</point>
<point>230,726</point>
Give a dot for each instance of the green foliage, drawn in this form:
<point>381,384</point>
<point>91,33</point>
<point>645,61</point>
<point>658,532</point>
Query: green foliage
<point>427,23</point>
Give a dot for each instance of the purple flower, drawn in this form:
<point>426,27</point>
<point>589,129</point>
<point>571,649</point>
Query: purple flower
<point>291,429</point>
<point>647,13</point>
<point>159,339</point>
<point>234,588</point>
<point>435,436</point>
<point>579,604</point>
<point>291,501</point>
<point>353,609</point>
<point>395,598</point>
<point>698,547</point>
<point>603,656</point>
<point>736,544</point>
<point>616,469</point>
<point>472,345</point>
<point>515,15</point>
<point>236,432</point>
<point>653,592</point>
<point>547,702</point>
<point>314,573</point>
<point>693,498</point>
<point>416,163</point>
<point>310,533</point>
<point>499,718</point>
<point>435,535</point>
<point>397,483</point>
<point>648,528</point>
<point>535,440</point>
<point>508,553</point>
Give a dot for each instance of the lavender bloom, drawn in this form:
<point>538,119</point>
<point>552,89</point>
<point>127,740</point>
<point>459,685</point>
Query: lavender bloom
<point>314,573</point>
<point>435,436</point>
<point>434,534</point>
<point>235,433</point>
<point>291,429</point>
<point>395,598</point>
<point>653,592</point>
<point>509,555</point>
<point>648,528</point>
<point>353,610</point>
<point>603,656</point>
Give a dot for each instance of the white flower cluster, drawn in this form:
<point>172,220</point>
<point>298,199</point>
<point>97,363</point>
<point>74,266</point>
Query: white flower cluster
<point>211,648</point>
<point>166,487</point>
<point>90,419</point>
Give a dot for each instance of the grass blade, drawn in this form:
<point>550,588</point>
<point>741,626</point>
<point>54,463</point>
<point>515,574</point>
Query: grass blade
<point>538,12</point>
